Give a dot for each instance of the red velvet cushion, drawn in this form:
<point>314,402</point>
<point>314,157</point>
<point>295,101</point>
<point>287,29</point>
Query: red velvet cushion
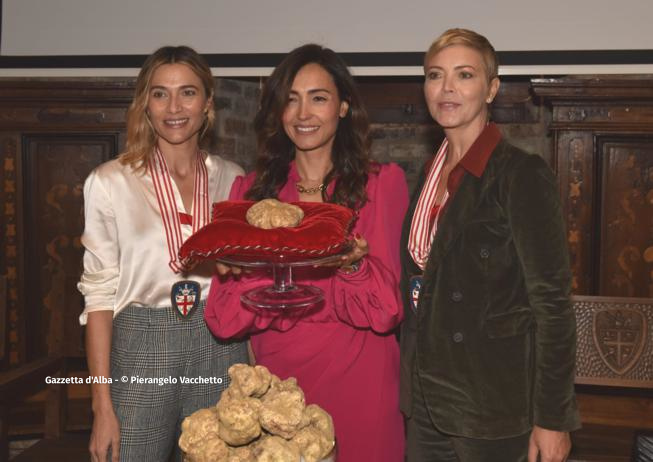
<point>323,231</point>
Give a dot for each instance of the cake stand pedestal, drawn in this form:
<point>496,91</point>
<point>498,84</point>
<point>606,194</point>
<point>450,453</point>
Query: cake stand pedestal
<point>284,294</point>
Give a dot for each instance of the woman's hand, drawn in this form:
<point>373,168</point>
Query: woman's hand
<point>359,250</point>
<point>106,429</point>
<point>550,445</point>
<point>104,435</point>
<point>347,262</point>
<point>223,269</point>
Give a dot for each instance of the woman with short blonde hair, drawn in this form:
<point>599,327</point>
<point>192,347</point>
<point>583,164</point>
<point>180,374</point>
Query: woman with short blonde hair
<point>488,343</point>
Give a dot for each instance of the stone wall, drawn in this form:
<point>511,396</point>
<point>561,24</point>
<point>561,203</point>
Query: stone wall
<point>236,104</point>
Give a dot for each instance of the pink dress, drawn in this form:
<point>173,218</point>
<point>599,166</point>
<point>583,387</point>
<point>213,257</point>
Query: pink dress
<point>344,354</point>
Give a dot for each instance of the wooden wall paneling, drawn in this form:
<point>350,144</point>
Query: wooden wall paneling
<point>513,103</point>
<point>398,102</point>
<point>575,170</point>
<point>625,218</point>
<point>618,408</point>
<point>4,317</point>
<point>55,167</point>
<point>64,104</point>
<point>76,119</point>
<point>587,113</point>
<point>10,250</point>
<point>603,129</point>
<point>614,341</point>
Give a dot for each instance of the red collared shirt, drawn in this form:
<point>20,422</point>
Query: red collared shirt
<point>474,162</point>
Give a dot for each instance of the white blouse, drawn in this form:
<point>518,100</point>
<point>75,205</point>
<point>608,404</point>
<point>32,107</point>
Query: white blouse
<point>126,257</point>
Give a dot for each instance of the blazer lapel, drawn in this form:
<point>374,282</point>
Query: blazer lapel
<point>460,210</point>
<point>457,213</point>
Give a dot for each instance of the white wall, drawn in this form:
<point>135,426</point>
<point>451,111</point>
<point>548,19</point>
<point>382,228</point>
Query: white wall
<point>119,27</point>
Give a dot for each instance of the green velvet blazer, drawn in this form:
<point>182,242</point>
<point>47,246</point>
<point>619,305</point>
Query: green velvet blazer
<point>493,339</point>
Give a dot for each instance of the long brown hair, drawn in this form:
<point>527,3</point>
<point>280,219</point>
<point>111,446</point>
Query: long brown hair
<point>351,146</point>
<point>141,137</point>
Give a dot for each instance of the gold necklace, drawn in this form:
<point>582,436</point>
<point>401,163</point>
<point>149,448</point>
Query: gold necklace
<point>313,190</point>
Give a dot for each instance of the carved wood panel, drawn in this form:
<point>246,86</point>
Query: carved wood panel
<point>72,125</point>
<point>626,216</point>
<point>574,166</point>
<point>9,234</point>
<point>54,170</point>
<point>613,115</point>
<point>604,162</point>
<point>615,341</point>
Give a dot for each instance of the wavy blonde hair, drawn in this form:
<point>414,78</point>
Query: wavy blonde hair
<point>141,137</point>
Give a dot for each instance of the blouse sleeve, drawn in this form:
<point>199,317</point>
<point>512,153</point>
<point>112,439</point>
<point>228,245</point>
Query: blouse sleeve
<point>99,280</point>
<point>369,297</point>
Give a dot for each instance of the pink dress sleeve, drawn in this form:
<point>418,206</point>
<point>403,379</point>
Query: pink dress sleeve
<point>369,298</point>
<point>227,318</point>
<point>240,186</point>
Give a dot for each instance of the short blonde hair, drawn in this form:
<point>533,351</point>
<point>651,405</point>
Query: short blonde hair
<point>471,39</point>
<point>141,137</point>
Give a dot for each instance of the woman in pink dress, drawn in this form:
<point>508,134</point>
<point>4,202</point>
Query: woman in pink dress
<point>313,136</point>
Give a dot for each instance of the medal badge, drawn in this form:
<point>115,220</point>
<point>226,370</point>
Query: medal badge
<point>185,297</point>
<point>415,286</point>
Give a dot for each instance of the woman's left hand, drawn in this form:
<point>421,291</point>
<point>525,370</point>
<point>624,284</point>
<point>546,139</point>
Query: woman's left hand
<point>346,262</point>
<point>549,445</point>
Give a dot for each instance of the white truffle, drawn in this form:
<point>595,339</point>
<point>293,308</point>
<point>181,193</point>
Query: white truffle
<point>270,214</point>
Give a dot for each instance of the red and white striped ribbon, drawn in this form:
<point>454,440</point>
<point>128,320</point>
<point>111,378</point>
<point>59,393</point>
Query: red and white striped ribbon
<point>423,227</point>
<point>165,196</point>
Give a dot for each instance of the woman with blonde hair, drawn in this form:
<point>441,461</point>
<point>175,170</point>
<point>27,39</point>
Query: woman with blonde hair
<point>488,343</point>
<point>143,308</point>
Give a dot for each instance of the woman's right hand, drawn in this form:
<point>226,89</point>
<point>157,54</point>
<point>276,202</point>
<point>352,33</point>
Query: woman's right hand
<point>104,435</point>
<point>223,269</point>
<point>106,429</point>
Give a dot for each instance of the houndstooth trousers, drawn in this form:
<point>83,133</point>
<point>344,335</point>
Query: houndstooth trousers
<point>155,345</point>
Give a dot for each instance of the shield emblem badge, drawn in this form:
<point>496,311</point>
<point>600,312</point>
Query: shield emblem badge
<point>619,336</point>
<point>415,286</point>
<point>185,297</point>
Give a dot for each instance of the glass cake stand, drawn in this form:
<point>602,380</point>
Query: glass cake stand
<point>284,294</point>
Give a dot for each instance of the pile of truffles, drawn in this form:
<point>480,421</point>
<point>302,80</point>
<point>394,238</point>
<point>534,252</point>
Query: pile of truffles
<point>270,214</point>
<point>259,418</point>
